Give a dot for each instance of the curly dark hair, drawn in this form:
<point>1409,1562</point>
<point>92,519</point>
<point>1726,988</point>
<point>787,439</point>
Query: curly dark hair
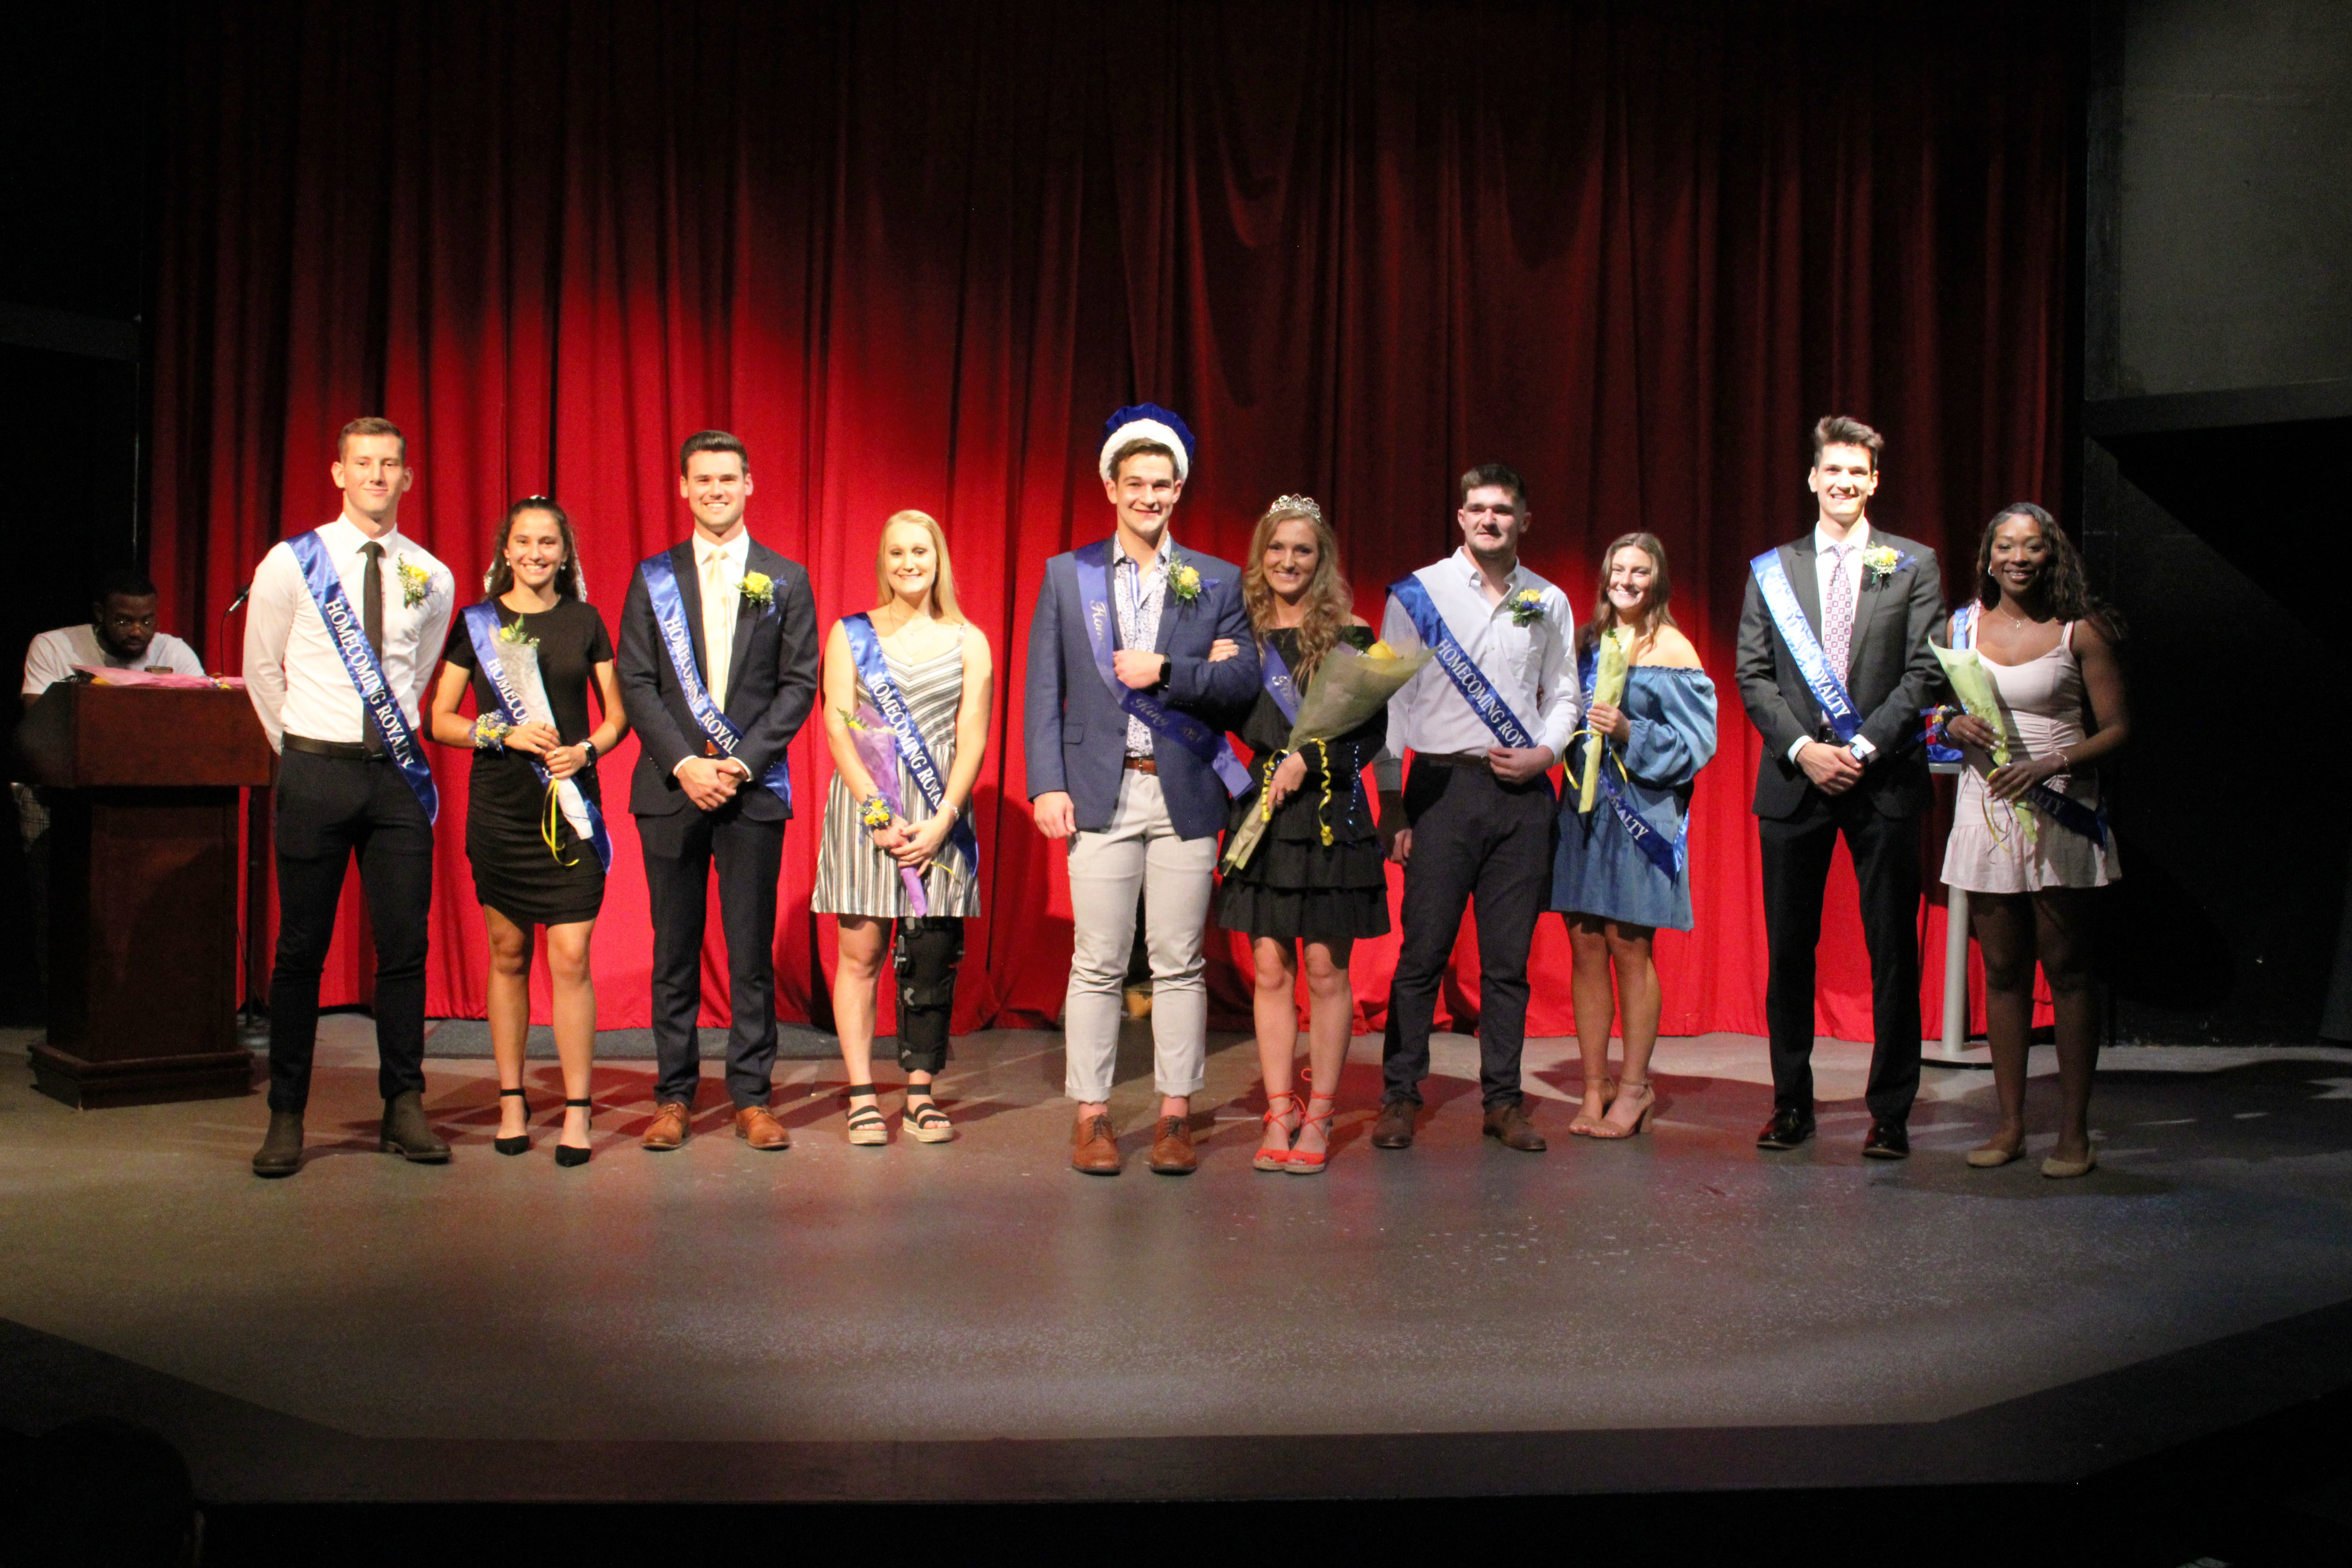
<point>500,577</point>
<point>2064,585</point>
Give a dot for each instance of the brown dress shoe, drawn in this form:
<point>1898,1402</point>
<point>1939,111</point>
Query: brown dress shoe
<point>1508,1125</point>
<point>1172,1148</point>
<point>1093,1152</point>
<point>1394,1129</point>
<point>756,1126</point>
<point>672,1122</point>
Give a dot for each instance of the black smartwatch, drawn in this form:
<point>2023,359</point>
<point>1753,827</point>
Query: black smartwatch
<point>1166,669</point>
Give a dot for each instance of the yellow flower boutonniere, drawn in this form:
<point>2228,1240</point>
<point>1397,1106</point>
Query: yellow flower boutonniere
<point>759,588</point>
<point>1183,582</point>
<point>1882,561</point>
<point>1526,606</point>
<point>415,583</point>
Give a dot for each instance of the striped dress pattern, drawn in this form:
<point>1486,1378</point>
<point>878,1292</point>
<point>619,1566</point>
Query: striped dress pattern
<point>853,878</point>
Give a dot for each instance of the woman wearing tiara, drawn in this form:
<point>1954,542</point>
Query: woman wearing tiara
<point>534,833</point>
<point>906,711</point>
<point>1317,880</point>
<point>2030,838</point>
<point>1620,870</point>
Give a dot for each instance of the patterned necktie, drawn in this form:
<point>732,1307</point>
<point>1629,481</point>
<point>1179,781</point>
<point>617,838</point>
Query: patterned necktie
<point>1837,615</point>
<point>372,623</point>
<point>718,626</point>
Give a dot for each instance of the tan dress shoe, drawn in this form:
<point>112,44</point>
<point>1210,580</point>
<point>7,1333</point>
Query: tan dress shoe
<point>1172,1148</point>
<point>1508,1125</point>
<point>756,1126</point>
<point>672,1122</point>
<point>1093,1152</point>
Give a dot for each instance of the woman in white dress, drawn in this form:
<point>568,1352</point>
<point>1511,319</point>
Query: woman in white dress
<point>2030,840</point>
<point>915,657</point>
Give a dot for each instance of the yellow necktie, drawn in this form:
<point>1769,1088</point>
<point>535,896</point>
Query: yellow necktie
<point>718,625</point>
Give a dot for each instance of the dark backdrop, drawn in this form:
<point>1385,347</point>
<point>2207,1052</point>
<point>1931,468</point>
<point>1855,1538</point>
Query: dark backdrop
<point>913,254</point>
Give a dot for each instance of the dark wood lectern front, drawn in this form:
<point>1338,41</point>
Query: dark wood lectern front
<point>142,889</point>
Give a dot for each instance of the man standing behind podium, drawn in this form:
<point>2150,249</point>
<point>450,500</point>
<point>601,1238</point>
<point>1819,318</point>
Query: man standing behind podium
<point>718,670</point>
<point>344,627</point>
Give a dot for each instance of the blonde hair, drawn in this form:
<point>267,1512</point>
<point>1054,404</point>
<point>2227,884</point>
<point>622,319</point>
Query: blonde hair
<point>1330,605</point>
<point>943,595</point>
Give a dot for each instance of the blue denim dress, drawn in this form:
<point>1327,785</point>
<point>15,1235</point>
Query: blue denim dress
<point>1598,868</point>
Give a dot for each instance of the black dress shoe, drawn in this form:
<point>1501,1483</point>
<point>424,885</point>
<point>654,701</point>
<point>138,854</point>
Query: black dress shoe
<point>1887,1141</point>
<point>1394,1129</point>
<point>1788,1128</point>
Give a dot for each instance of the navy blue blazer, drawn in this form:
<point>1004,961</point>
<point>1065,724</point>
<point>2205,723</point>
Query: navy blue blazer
<point>1076,732</point>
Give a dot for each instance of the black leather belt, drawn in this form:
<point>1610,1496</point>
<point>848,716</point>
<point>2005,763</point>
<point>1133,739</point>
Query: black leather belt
<point>353,751</point>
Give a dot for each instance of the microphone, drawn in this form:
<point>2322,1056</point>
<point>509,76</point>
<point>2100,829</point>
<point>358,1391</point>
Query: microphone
<point>238,603</point>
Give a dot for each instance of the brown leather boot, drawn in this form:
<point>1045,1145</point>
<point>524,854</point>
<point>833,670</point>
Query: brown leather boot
<point>1093,1149</point>
<point>408,1134</point>
<point>758,1126</point>
<point>1172,1148</point>
<point>673,1123</point>
<point>281,1153</point>
<point>1508,1125</point>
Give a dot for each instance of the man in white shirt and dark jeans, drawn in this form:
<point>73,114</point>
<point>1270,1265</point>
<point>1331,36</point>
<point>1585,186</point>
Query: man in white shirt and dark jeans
<point>343,786</point>
<point>1476,816</point>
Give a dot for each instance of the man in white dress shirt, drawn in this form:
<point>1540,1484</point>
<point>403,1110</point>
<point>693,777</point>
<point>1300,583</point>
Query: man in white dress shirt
<point>342,788</point>
<point>1476,815</point>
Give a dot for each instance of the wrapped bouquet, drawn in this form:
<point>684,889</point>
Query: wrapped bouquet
<point>1608,686</point>
<point>518,656</point>
<point>1349,687</point>
<point>1979,700</point>
<point>877,749</point>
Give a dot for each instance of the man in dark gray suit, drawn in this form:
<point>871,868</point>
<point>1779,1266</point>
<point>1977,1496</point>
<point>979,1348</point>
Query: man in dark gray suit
<point>1834,667</point>
<point>718,671</point>
<point>1127,709</point>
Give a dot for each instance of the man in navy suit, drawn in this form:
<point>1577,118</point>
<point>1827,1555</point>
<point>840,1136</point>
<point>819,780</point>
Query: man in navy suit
<point>1841,757</point>
<point>1127,714</point>
<point>718,671</point>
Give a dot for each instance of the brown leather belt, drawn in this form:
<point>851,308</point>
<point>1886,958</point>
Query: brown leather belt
<point>1142,765</point>
<point>350,751</point>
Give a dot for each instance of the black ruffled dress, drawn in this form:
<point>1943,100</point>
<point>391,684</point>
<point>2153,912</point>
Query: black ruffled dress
<point>1296,887</point>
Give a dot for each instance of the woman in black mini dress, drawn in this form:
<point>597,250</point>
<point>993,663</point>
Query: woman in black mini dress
<point>1317,880</point>
<point>531,865</point>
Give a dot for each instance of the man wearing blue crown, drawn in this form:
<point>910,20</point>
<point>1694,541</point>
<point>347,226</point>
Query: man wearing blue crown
<point>1126,712</point>
<point>1833,666</point>
<point>1485,721</point>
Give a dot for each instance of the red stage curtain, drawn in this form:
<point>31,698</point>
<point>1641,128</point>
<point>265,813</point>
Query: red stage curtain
<point>914,253</point>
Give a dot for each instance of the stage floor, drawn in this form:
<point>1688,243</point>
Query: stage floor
<point>975,1320</point>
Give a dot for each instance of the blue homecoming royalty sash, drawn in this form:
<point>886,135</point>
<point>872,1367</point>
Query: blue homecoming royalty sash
<point>865,649</point>
<point>2065,812</point>
<point>1667,857</point>
<point>1453,658</point>
<point>670,616</point>
<point>1276,675</point>
<point>482,627</point>
<point>1093,565</point>
<point>350,638</point>
<point>1826,685</point>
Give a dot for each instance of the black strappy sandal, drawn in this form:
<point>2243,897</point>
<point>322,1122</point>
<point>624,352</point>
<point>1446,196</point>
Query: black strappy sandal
<point>569,1154</point>
<point>926,1122</point>
<point>522,1143</point>
<point>865,1121</point>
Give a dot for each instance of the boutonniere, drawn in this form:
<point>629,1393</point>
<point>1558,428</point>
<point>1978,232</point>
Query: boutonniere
<point>759,588</point>
<point>415,583</point>
<point>1526,606</point>
<point>1882,561</point>
<point>1183,582</point>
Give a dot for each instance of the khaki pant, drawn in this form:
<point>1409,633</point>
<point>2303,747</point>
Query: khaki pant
<point>1137,852</point>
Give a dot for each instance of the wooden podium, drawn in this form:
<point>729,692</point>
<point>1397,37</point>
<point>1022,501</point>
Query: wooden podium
<point>142,889</point>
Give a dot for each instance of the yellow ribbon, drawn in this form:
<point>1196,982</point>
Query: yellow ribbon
<point>551,830</point>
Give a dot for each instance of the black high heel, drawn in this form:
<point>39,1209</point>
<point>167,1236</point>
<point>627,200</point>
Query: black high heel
<point>519,1144</point>
<point>565,1154</point>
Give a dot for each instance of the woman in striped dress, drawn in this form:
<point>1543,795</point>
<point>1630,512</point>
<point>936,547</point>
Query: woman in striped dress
<point>906,694</point>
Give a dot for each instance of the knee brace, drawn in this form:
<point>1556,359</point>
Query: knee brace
<point>928,951</point>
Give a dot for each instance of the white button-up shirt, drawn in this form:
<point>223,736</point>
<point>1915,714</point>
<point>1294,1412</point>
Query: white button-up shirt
<point>1855,543</point>
<point>54,654</point>
<point>1528,666</point>
<point>292,671</point>
<point>718,610</point>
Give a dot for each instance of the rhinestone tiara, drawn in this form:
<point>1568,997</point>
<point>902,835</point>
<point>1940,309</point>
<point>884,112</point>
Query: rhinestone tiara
<point>1300,505</point>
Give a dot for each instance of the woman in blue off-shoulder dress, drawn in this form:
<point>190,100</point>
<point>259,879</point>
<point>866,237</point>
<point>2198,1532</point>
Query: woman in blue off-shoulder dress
<point>1622,870</point>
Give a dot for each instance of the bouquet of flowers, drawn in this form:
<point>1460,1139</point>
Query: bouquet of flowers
<point>1608,686</point>
<point>1349,689</point>
<point>1979,699</point>
<point>878,750</point>
<point>518,661</point>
